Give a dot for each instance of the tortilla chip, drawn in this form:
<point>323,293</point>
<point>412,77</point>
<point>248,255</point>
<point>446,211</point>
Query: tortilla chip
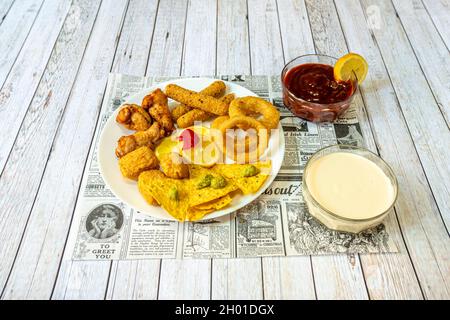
<point>200,196</point>
<point>198,212</point>
<point>156,184</point>
<point>247,185</point>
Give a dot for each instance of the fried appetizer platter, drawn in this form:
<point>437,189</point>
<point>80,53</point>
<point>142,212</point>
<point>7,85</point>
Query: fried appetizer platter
<point>178,164</point>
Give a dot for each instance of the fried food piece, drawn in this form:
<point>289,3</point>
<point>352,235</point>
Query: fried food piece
<point>137,161</point>
<point>163,189</point>
<point>157,106</point>
<point>180,110</point>
<point>250,106</point>
<point>173,166</point>
<point>242,151</point>
<point>196,100</point>
<point>218,121</point>
<point>127,144</point>
<point>194,115</point>
<point>143,177</point>
<point>134,117</point>
<point>215,89</point>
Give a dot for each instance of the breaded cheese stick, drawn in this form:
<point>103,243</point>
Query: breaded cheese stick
<point>196,100</point>
<point>194,115</point>
<point>215,89</point>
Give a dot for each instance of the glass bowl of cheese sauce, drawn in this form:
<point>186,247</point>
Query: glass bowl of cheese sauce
<point>348,188</point>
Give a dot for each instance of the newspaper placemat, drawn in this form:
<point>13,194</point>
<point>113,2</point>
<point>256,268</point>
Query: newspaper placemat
<point>275,224</point>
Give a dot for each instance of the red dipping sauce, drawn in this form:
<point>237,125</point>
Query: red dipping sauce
<point>311,92</point>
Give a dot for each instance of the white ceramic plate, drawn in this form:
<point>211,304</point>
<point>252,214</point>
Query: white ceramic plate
<point>127,190</point>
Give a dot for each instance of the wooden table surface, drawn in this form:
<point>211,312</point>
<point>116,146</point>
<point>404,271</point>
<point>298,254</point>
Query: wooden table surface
<point>54,62</point>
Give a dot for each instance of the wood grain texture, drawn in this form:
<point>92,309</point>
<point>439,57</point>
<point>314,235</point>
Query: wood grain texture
<point>14,31</point>
<point>35,137</point>
<point>135,279</point>
<point>265,42</point>
<point>23,79</point>
<point>439,11</point>
<point>430,133</point>
<point>199,58</point>
<point>419,218</point>
<point>430,50</point>
<point>233,55</point>
<point>46,85</point>
<point>5,6</point>
<point>235,278</point>
<point>167,46</point>
<point>115,285</point>
<point>381,280</point>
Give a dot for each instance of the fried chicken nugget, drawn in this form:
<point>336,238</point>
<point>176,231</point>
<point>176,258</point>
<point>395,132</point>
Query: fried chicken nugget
<point>137,161</point>
<point>192,116</point>
<point>134,117</point>
<point>196,100</point>
<point>127,144</point>
<point>157,105</point>
<point>173,166</point>
<point>215,89</point>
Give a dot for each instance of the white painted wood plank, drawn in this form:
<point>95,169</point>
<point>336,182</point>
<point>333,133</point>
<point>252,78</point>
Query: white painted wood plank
<point>295,29</point>
<point>234,278</point>
<point>167,45</point>
<point>288,278</point>
<point>439,11</point>
<point>426,123</point>
<point>191,279</point>
<point>35,137</point>
<point>135,279</point>
<point>297,40</point>
<point>237,279</point>
<point>382,281</point>
<point>5,6</point>
<point>233,55</point>
<point>14,31</point>
<point>419,218</point>
<point>267,58</point>
<point>124,29</point>
<point>135,39</point>
<point>430,50</point>
<point>265,43</point>
<point>36,266</point>
<point>19,87</point>
<point>345,275</point>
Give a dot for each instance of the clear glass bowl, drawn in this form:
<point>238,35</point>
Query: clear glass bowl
<point>332,220</point>
<point>316,112</point>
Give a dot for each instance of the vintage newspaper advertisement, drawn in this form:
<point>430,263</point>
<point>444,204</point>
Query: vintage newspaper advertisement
<point>276,224</point>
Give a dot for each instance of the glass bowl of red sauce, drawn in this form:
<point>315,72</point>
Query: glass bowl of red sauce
<point>310,90</point>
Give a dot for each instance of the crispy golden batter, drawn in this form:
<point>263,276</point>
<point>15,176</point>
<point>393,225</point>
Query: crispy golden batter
<point>250,106</point>
<point>196,100</point>
<point>137,161</point>
<point>127,144</point>
<point>157,105</point>
<point>180,110</point>
<point>215,89</point>
<point>134,117</point>
<point>218,121</point>
<point>194,115</point>
<point>173,166</point>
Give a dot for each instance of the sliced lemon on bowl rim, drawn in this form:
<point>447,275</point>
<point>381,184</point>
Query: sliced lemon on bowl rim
<point>348,64</point>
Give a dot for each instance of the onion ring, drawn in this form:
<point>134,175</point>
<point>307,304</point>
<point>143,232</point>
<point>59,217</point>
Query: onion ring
<point>242,151</point>
<point>249,106</point>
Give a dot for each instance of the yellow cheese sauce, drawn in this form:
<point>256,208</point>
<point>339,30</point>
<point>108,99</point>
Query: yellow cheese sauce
<point>349,185</point>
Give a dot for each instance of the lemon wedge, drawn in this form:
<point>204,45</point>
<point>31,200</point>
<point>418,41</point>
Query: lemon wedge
<point>351,62</point>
